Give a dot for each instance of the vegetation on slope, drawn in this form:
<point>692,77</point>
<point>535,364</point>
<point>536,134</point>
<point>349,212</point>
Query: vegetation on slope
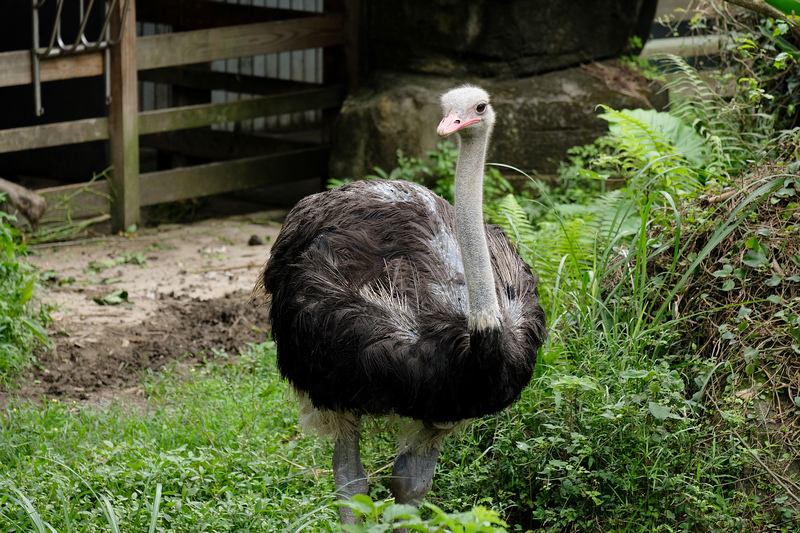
<point>21,321</point>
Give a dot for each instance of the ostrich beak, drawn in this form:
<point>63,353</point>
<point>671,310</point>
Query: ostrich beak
<point>453,122</point>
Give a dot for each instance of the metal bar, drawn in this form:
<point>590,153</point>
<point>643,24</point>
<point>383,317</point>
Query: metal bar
<point>107,73</point>
<point>125,10</point>
<point>82,29</point>
<point>55,36</point>
<point>35,75</point>
<point>106,29</point>
<point>57,47</point>
<point>107,53</point>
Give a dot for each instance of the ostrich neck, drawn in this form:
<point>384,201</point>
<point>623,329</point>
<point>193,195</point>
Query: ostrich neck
<point>484,311</point>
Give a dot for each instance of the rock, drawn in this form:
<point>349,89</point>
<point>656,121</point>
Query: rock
<point>255,240</point>
<point>539,117</point>
<point>393,112</point>
<point>511,38</point>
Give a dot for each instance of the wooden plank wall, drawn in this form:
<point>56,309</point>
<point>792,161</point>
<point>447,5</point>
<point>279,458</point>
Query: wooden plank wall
<point>235,65</point>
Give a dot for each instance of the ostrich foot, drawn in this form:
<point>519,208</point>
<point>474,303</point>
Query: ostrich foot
<point>412,475</point>
<point>348,474</point>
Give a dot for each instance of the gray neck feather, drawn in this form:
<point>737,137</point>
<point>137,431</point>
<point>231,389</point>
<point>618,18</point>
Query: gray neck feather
<point>484,311</point>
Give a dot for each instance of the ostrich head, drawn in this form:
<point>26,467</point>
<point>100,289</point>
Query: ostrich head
<point>467,111</point>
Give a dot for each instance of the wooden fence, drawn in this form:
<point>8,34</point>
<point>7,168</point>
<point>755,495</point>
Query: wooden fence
<point>211,31</point>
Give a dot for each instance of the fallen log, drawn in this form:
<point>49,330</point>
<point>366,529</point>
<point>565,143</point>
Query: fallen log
<point>30,205</point>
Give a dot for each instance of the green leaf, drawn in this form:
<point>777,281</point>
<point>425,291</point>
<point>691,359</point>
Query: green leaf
<point>682,136</point>
<point>36,329</point>
<point>755,259</point>
<point>659,411</point>
<point>750,353</point>
<point>637,374</point>
<point>115,298</point>
<point>360,503</point>
<point>27,292</point>
<point>774,281</point>
<point>396,511</point>
<point>728,285</point>
<point>785,6</point>
<point>487,515</point>
<point>725,333</point>
<point>355,528</point>
<point>723,272</point>
<point>569,381</point>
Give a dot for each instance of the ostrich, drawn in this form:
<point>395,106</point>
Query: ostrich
<point>387,300</point>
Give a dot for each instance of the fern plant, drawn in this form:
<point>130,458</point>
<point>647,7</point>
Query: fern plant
<point>643,149</point>
<point>733,127</point>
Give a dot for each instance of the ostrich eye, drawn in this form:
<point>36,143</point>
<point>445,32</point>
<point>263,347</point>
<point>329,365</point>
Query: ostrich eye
<point>480,108</point>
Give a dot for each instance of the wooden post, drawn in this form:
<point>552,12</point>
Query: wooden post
<point>123,121</point>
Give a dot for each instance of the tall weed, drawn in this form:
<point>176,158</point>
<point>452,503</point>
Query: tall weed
<point>22,319</point>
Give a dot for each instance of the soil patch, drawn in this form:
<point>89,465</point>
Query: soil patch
<point>129,304</point>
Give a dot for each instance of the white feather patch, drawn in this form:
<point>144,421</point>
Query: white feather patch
<point>402,318</point>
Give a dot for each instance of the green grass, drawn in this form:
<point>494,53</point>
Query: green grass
<point>221,443</point>
<point>608,436</point>
<point>212,449</point>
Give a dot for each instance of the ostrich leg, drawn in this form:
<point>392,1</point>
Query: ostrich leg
<point>412,475</point>
<point>348,472</point>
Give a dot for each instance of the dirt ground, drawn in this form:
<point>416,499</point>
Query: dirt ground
<point>188,289</point>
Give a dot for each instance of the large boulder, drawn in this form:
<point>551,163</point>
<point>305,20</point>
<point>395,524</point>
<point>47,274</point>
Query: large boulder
<point>510,38</point>
<point>538,117</point>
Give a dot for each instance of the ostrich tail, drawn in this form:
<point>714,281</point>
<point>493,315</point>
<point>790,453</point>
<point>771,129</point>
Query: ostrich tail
<point>334,425</point>
<point>259,296</point>
<point>410,434</point>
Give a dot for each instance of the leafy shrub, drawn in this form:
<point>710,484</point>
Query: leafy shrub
<point>765,60</point>
<point>385,516</point>
<point>21,322</point>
